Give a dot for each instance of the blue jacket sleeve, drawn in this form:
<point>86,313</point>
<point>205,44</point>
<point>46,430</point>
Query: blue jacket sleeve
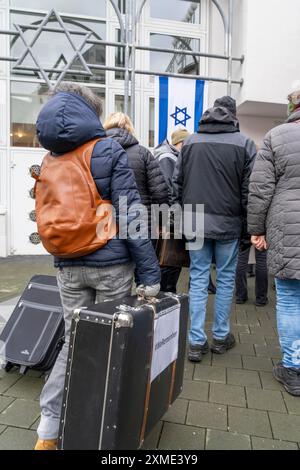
<point>123,185</point>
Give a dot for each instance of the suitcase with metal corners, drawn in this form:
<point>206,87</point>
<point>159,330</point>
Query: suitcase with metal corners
<point>125,369</point>
<point>33,335</point>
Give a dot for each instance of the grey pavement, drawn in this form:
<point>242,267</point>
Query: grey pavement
<point>228,402</point>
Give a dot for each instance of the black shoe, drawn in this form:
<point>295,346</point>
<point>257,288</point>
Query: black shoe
<point>261,304</point>
<point>221,346</point>
<point>289,378</point>
<point>241,301</point>
<point>196,352</point>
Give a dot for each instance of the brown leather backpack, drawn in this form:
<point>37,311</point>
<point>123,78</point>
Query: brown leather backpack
<point>73,220</point>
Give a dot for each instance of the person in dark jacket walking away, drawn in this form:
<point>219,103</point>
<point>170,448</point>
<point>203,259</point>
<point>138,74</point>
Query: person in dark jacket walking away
<point>274,223</point>
<point>261,278</point>
<point>66,122</point>
<point>167,154</point>
<point>213,169</point>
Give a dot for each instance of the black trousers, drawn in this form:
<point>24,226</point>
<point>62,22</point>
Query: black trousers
<point>261,281</point>
<point>169,278</point>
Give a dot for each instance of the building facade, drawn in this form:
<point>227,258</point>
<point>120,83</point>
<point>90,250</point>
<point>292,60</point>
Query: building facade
<point>69,38</point>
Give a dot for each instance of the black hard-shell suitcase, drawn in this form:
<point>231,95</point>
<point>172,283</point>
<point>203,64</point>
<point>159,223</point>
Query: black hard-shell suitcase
<point>33,335</point>
<point>120,377</point>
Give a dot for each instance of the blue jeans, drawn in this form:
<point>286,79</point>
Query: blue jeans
<point>288,320</point>
<point>226,257</point>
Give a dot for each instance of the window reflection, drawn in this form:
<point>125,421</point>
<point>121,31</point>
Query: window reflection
<point>176,10</point>
<point>59,50</point>
<point>119,103</point>
<point>119,57</point>
<point>174,63</point>
<point>27,99</point>
<point>90,8</point>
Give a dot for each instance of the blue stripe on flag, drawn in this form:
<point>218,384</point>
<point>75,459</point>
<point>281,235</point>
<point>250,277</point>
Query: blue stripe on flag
<point>199,102</point>
<point>163,108</point>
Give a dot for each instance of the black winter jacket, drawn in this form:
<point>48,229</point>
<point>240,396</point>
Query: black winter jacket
<point>149,178</point>
<point>214,169</point>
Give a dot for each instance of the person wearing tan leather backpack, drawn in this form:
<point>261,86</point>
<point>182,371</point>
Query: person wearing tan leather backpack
<point>77,191</point>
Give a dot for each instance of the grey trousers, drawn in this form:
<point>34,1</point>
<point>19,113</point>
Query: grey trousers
<point>79,287</point>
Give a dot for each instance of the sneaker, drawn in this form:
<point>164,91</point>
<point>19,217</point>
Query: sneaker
<point>289,378</point>
<point>221,346</point>
<point>241,301</point>
<point>196,352</point>
<point>50,444</point>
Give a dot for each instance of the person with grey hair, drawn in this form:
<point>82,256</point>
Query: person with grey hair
<point>86,93</point>
<point>65,125</point>
<point>274,223</point>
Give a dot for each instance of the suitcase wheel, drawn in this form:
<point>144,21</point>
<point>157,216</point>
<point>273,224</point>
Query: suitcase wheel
<point>23,370</point>
<point>8,367</point>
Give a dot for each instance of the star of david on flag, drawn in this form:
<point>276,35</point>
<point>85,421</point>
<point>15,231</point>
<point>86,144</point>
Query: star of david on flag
<point>177,116</point>
<point>179,103</point>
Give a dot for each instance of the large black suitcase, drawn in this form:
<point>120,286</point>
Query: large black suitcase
<point>33,335</point>
<point>123,371</point>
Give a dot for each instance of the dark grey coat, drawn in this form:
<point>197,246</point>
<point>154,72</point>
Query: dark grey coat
<point>213,169</point>
<point>149,177</point>
<point>274,199</point>
<point>167,155</point>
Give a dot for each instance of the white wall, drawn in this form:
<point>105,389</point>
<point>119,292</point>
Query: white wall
<point>269,31</point>
<point>257,127</point>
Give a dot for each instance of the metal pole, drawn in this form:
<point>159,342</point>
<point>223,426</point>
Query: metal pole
<point>127,57</point>
<point>225,23</point>
<point>187,52</point>
<point>119,15</point>
<point>139,12</point>
<point>133,58</point>
<point>188,76</point>
<point>229,47</point>
<point>122,69</point>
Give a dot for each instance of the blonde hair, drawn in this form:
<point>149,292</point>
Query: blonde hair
<point>120,121</point>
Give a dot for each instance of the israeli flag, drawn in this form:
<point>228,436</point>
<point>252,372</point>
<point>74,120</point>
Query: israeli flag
<point>179,103</point>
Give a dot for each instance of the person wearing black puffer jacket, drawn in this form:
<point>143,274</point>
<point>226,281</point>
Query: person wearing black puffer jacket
<point>149,177</point>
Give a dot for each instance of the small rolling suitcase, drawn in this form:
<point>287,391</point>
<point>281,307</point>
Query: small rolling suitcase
<point>125,368</point>
<point>33,335</point>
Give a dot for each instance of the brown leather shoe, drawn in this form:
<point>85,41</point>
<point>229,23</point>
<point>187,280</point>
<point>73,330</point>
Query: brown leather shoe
<point>50,444</point>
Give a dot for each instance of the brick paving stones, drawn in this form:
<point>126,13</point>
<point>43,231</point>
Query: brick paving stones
<point>220,440</point>
<point>179,437</point>
<point>229,402</point>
